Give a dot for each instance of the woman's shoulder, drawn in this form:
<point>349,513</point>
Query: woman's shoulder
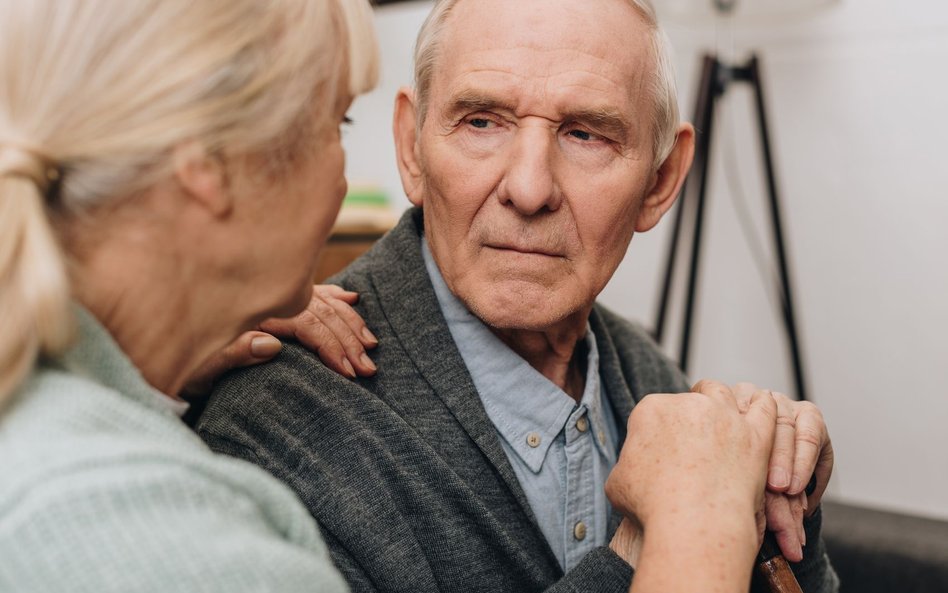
<point>59,418</point>
<point>69,431</point>
<point>92,477</point>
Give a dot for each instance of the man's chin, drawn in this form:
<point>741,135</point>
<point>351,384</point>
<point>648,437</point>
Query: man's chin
<point>521,312</point>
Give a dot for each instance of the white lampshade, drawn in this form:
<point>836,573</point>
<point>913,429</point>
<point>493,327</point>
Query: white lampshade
<point>749,10</point>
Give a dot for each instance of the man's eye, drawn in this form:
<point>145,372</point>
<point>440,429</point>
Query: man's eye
<point>479,122</point>
<point>582,135</point>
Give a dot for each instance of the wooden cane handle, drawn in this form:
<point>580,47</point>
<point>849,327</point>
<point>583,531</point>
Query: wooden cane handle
<point>778,576</point>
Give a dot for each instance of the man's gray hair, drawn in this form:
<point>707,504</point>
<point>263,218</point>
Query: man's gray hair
<point>665,117</point>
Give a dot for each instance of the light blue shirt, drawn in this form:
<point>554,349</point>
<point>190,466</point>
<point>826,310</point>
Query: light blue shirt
<point>561,451</point>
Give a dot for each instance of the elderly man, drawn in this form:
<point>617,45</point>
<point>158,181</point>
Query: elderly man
<point>540,136</point>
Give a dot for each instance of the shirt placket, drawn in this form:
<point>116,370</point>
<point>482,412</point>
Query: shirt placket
<point>580,525</point>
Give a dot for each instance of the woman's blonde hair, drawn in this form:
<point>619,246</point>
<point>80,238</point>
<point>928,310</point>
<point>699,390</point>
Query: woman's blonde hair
<point>95,93</point>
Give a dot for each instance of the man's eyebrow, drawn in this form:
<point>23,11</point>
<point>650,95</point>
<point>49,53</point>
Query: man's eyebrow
<point>470,101</point>
<point>607,121</point>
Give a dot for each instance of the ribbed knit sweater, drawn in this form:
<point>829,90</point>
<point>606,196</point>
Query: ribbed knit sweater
<point>103,488</point>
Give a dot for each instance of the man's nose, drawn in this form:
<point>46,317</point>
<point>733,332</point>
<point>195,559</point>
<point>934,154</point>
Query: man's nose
<point>529,184</point>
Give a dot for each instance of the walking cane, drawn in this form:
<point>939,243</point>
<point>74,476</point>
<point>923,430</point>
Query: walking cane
<point>774,569</point>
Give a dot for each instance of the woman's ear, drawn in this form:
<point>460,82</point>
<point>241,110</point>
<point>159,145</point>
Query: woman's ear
<point>202,177</point>
<point>668,180</point>
<point>406,145</point>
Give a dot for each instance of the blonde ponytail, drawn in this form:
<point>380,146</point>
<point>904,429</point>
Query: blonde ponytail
<point>105,89</point>
<point>34,292</point>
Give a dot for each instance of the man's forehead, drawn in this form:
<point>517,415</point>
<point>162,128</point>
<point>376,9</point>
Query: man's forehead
<point>559,47</point>
<point>582,25</point>
<point>509,81</point>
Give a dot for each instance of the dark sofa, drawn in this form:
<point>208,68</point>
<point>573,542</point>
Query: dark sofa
<point>877,551</point>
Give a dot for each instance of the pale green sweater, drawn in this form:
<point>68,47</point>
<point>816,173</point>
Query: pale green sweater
<point>103,488</point>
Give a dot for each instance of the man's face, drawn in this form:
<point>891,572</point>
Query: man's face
<point>536,154</point>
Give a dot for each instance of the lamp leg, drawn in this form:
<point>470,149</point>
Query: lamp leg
<point>704,105</point>
<point>713,83</point>
<point>711,90</point>
<point>786,293</point>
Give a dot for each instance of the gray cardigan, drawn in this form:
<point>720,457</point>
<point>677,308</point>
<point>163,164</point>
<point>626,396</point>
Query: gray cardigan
<point>403,471</point>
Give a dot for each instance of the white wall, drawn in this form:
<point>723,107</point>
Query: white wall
<point>857,97</point>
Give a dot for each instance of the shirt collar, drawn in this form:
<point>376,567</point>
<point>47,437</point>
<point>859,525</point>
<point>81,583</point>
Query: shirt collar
<point>527,409</point>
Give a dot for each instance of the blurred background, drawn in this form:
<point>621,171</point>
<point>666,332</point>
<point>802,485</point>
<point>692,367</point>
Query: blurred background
<point>856,104</point>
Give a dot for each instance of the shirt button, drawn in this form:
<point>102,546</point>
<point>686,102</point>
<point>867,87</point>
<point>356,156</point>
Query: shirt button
<point>582,425</point>
<point>579,531</point>
<point>533,439</point>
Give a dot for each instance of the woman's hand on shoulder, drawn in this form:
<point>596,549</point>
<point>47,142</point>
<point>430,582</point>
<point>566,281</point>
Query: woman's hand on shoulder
<point>329,326</point>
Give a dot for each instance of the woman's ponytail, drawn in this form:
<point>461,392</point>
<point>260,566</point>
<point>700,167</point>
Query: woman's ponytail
<point>35,316</point>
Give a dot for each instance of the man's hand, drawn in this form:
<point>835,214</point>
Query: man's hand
<point>802,448</point>
<point>328,326</point>
<point>686,453</point>
<point>693,472</point>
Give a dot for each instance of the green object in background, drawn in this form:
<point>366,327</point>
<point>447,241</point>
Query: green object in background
<point>366,196</point>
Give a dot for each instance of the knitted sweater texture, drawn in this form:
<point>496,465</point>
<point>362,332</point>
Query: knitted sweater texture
<point>103,488</point>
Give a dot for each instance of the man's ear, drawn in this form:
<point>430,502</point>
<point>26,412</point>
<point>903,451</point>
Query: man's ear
<point>668,180</point>
<point>202,177</point>
<point>406,145</point>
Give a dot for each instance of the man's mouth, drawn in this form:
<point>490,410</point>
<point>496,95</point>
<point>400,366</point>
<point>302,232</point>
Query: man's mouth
<point>525,249</point>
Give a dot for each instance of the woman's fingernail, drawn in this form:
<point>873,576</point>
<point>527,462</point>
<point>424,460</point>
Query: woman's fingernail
<point>778,477</point>
<point>369,336</point>
<point>348,366</point>
<point>265,346</point>
<point>368,361</point>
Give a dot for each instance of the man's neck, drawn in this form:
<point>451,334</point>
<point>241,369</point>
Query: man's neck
<point>559,353</point>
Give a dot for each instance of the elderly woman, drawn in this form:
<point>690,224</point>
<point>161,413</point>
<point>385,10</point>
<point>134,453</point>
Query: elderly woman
<point>168,171</point>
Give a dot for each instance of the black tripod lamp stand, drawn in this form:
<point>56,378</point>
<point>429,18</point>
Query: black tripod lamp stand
<point>716,79</point>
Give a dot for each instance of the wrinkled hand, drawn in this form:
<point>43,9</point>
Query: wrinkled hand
<point>802,448</point>
<point>332,329</point>
<point>693,461</point>
<point>328,326</point>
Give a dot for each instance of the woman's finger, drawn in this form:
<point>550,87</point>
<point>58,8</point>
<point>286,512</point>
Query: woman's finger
<point>337,292</point>
<point>344,310</point>
<point>322,328</point>
<point>250,348</point>
<point>314,335</point>
<point>350,342</point>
